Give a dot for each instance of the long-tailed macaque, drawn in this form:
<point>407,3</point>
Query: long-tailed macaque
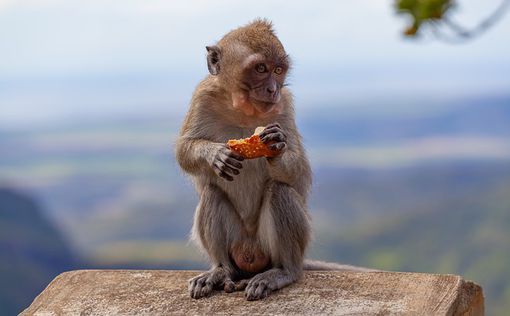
<point>252,218</point>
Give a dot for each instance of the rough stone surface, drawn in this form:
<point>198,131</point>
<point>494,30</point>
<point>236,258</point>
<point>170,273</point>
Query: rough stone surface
<point>151,292</point>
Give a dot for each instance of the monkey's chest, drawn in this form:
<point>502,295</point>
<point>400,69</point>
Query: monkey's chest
<point>247,190</point>
<point>249,256</point>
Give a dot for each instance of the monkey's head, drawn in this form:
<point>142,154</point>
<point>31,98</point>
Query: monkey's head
<point>251,63</point>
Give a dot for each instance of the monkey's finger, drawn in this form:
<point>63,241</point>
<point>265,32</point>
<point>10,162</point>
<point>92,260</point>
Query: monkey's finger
<point>227,169</point>
<point>226,176</point>
<point>233,163</point>
<point>222,167</point>
<point>226,151</point>
<point>275,124</point>
<point>278,137</point>
<point>278,146</point>
<point>235,155</point>
<point>271,130</point>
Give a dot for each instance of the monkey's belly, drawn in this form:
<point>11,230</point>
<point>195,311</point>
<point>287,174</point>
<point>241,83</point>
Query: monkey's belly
<point>249,257</point>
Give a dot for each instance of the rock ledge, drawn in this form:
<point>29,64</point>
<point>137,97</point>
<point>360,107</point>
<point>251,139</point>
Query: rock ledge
<point>154,292</point>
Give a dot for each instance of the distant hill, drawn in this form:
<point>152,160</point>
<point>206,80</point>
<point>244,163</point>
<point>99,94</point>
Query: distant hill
<point>32,252</point>
<point>365,124</point>
<point>466,234</point>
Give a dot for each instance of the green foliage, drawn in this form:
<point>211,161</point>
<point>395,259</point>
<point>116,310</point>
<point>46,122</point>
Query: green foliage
<point>422,11</point>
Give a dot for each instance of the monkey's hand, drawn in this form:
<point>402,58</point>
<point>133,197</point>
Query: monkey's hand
<point>226,163</point>
<point>275,138</point>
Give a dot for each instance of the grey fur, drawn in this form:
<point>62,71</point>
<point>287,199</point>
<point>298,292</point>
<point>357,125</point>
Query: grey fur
<point>267,198</point>
<point>264,199</point>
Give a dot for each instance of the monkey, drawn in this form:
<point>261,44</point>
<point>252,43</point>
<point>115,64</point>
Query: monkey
<point>252,219</point>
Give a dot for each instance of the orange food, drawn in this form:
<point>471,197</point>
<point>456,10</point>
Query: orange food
<point>251,147</point>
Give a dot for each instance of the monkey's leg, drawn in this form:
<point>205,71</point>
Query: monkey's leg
<point>216,224</point>
<point>285,228</point>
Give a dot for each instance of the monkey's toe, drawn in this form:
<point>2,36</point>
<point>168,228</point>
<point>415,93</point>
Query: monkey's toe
<point>229,286</point>
<point>200,287</point>
<point>206,289</point>
<point>241,285</point>
<point>204,284</point>
<point>257,290</point>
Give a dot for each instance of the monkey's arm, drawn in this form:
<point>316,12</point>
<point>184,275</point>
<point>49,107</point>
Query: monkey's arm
<point>293,169</point>
<point>292,166</point>
<point>196,153</point>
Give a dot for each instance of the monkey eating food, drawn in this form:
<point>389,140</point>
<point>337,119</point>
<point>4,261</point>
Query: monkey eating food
<point>252,219</point>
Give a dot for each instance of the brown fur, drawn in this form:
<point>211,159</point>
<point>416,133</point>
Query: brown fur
<point>259,36</point>
<point>255,227</point>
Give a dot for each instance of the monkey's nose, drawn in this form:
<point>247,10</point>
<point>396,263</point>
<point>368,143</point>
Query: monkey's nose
<point>271,93</point>
<point>271,88</point>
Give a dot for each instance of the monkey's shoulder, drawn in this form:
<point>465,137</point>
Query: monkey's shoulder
<point>209,87</point>
<point>287,95</point>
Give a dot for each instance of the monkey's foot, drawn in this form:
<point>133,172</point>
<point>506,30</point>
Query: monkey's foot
<point>241,285</point>
<point>203,285</point>
<point>260,286</point>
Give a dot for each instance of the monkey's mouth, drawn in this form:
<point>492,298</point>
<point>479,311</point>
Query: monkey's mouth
<point>261,103</point>
<point>263,106</point>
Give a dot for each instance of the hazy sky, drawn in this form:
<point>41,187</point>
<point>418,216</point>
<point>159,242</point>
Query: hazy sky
<point>64,58</point>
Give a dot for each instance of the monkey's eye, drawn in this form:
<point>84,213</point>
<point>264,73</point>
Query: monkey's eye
<point>260,68</point>
<point>278,70</point>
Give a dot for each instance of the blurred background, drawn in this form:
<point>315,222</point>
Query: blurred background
<point>406,120</point>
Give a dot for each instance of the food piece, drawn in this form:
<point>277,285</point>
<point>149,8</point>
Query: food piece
<point>251,147</point>
<point>259,130</point>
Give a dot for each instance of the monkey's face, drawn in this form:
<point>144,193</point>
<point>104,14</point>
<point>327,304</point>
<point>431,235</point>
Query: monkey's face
<point>255,78</point>
<point>262,78</point>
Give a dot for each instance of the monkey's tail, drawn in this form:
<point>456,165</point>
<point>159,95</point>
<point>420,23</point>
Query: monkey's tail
<point>332,266</point>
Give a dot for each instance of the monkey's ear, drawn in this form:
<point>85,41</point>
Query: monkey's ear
<point>213,59</point>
